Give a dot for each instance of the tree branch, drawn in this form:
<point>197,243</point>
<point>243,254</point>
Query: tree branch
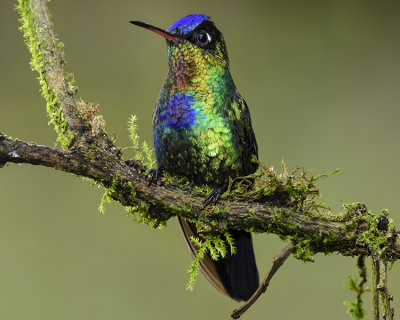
<point>73,120</point>
<point>319,233</point>
<point>53,63</point>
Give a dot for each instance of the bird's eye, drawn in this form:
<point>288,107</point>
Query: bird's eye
<point>203,38</point>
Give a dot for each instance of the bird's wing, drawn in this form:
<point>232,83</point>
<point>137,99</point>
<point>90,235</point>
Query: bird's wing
<point>244,132</point>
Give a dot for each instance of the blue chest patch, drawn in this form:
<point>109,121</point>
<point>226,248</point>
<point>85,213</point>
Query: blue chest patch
<point>188,23</point>
<point>179,114</point>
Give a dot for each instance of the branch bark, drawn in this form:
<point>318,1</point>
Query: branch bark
<point>53,64</point>
<point>341,233</point>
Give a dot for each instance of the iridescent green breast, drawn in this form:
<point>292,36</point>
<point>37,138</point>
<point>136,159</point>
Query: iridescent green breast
<point>194,140</point>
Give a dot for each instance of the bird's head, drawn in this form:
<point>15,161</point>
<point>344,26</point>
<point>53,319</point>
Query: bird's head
<point>194,44</point>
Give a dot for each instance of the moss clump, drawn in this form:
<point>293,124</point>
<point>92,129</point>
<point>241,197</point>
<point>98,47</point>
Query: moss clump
<point>218,209</point>
<point>88,113</point>
<point>377,230</point>
<point>378,236</point>
<point>109,193</point>
<point>141,211</point>
<point>181,181</point>
<point>213,244</point>
<point>302,251</point>
<point>157,214</point>
<point>38,45</point>
<point>142,152</point>
<point>296,189</point>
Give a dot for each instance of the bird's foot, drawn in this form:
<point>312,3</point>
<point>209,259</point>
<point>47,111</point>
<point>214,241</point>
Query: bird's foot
<point>214,195</point>
<point>154,175</point>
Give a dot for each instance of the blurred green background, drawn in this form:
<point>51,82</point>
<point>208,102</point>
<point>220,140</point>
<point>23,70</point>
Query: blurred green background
<point>322,82</point>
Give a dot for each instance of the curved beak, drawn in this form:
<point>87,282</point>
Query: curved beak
<point>157,30</point>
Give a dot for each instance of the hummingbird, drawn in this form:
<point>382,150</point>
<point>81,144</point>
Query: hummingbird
<point>202,130</point>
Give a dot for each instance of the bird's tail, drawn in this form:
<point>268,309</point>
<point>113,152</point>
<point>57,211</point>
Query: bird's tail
<point>235,275</point>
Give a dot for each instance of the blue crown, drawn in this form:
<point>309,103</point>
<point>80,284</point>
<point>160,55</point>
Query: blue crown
<point>188,23</point>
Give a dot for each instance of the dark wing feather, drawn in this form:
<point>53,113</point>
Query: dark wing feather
<point>247,140</point>
<point>235,275</point>
<point>207,265</point>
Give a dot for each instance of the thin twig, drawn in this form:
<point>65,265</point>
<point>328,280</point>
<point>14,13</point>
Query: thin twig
<point>362,272</point>
<point>386,297</point>
<point>375,283</point>
<point>277,262</point>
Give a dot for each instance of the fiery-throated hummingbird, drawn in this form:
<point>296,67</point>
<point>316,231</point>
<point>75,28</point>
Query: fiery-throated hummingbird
<point>202,130</point>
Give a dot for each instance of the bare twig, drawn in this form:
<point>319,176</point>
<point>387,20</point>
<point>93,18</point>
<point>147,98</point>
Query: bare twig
<point>277,262</point>
<point>375,283</point>
<point>386,297</point>
<point>362,272</point>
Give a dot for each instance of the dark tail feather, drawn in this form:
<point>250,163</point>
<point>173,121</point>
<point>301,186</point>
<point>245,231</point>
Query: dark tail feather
<point>239,270</point>
<point>235,275</point>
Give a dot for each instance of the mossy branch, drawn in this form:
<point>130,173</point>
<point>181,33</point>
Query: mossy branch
<point>48,61</point>
<point>285,204</point>
<point>349,233</point>
<point>74,121</point>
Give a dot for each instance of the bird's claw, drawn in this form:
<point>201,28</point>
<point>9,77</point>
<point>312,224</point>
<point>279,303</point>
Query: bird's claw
<point>213,197</point>
<point>154,175</point>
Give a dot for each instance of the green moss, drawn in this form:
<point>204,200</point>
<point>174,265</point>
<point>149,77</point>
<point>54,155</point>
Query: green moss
<point>91,151</point>
<point>330,239</point>
<point>141,211</point>
<point>376,237</point>
<point>218,209</point>
<point>376,229</point>
<point>142,153</point>
<point>133,136</point>
<point>157,214</point>
<point>203,190</point>
<point>38,46</point>
<point>355,308</point>
<point>230,242</point>
<point>212,244</point>
<point>296,188</point>
<point>148,155</point>
<point>109,193</point>
<point>303,251</point>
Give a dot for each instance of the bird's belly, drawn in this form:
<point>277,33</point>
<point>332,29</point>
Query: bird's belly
<point>205,154</point>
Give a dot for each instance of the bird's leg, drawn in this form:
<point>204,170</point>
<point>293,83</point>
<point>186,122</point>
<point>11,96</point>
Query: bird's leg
<point>215,195</point>
<point>154,175</point>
